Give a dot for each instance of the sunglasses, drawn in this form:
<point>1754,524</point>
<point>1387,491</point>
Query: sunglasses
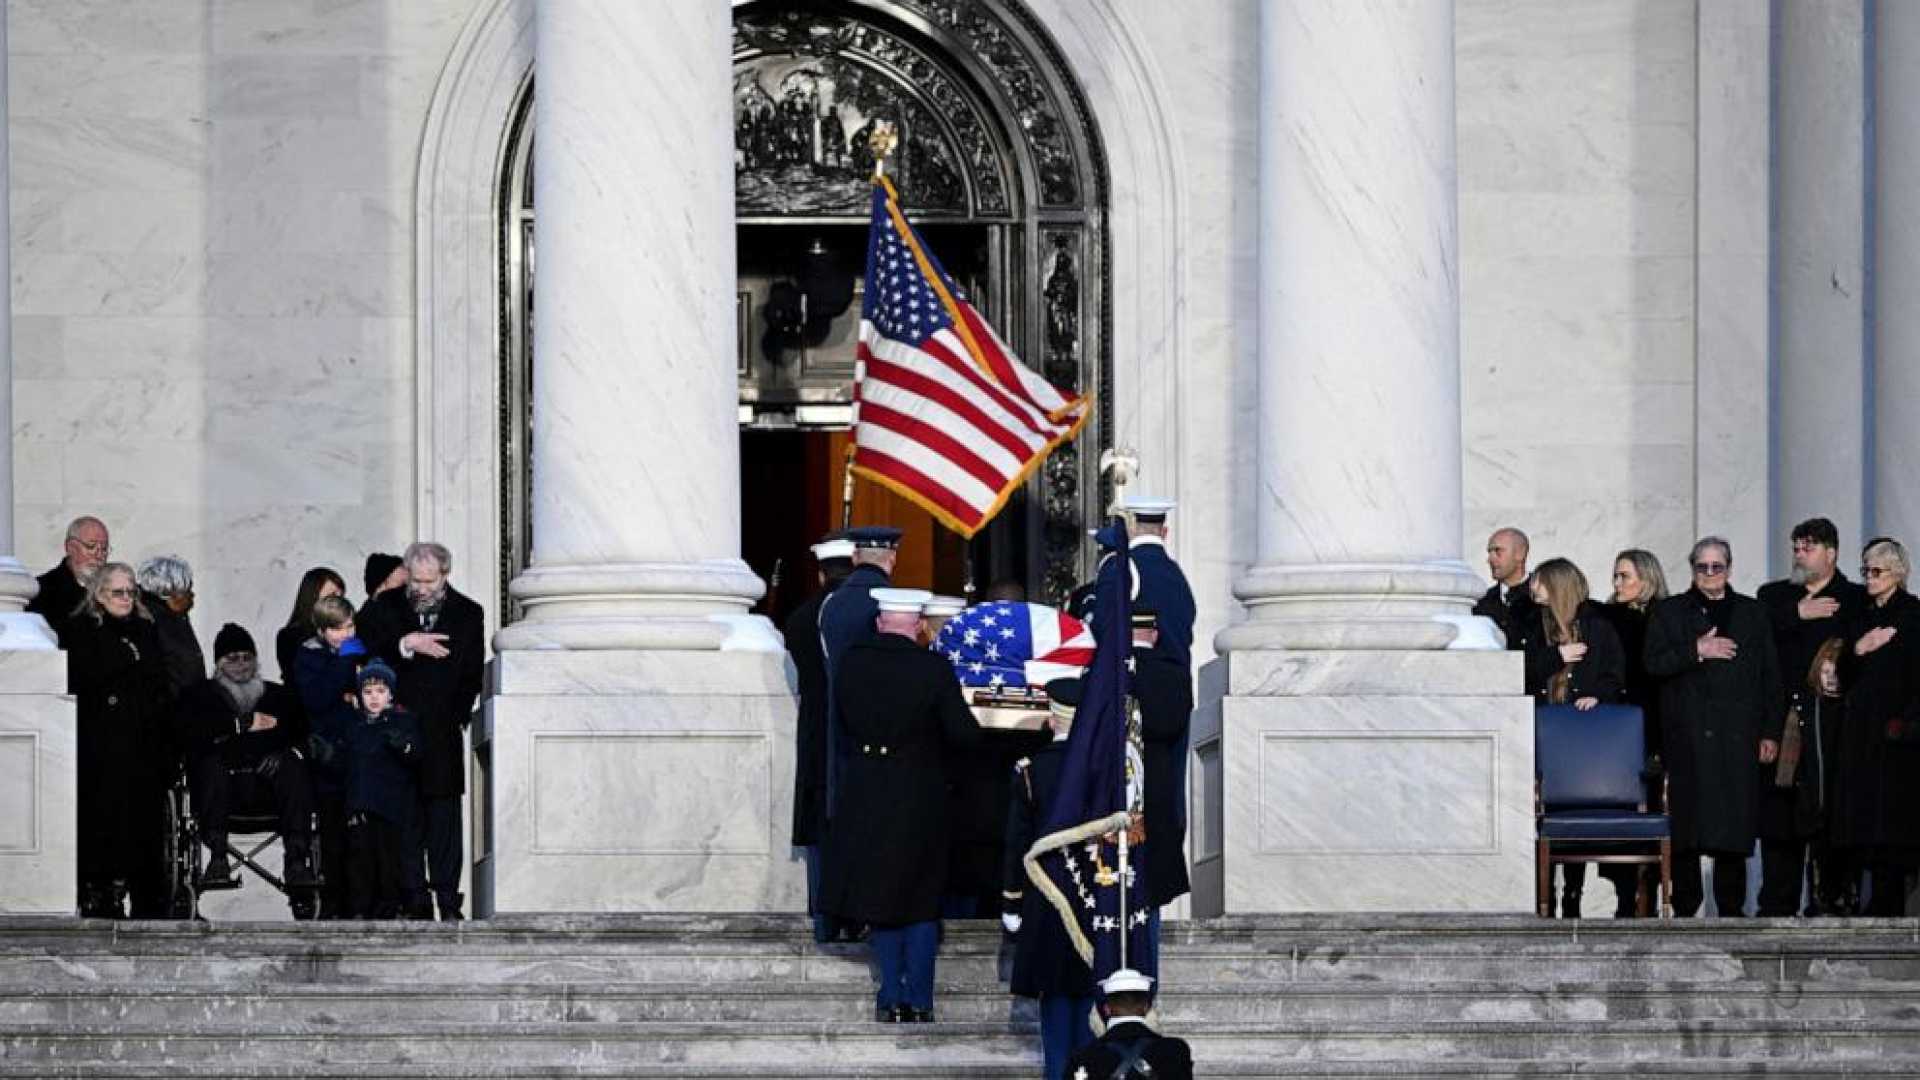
<point>122,594</point>
<point>1709,569</point>
<point>1874,572</point>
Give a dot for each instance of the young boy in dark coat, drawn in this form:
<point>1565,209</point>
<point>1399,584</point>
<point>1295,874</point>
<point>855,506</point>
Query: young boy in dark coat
<point>382,751</point>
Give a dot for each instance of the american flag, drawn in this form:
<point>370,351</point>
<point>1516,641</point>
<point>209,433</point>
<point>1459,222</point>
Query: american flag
<point>944,414</point>
<point>1007,645</point>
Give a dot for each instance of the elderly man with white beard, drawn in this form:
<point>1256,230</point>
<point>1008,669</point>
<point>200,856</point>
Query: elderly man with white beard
<point>244,746</point>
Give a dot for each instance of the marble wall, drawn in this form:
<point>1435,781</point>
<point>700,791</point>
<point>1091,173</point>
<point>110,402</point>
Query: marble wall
<point>1577,234</point>
<point>212,281</point>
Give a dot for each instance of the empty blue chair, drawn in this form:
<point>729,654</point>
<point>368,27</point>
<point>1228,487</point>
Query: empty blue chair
<point>1591,802</point>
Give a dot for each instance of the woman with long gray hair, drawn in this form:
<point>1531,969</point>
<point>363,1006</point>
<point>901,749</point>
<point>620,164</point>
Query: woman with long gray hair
<point>120,689</point>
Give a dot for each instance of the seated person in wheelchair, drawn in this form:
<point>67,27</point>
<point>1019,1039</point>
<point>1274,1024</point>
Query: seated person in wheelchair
<point>383,754</point>
<point>243,749</point>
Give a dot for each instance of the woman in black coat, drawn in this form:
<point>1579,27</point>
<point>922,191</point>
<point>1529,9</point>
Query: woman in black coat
<point>1877,811</point>
<point>119,685</point>
<point>1639,582</point>
<point>315,583</point>
<point>1723,707</point>
<point>902,718</point>
<point>1573,657</point>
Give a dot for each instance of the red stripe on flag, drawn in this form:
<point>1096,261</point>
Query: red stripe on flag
<point>940,442</point>
<point>1030,415</point>
<point>913,479</point>
<point>996,360</point>
<point>892,374</point>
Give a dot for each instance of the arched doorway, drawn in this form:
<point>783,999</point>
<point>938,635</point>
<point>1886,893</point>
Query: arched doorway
<point>1002,166</point>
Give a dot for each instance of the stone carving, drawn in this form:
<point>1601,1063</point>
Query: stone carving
<point>806,95</point>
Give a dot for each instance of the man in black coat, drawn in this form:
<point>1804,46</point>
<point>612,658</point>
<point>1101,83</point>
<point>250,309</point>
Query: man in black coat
<point>846,619</point>
<point>434,638</point>
<point>63,587</point>
<point>1159,582</point>
<point>1510,602</point>
<point>1815,604</point>
<point>243,739</point>
<point>1723,706</point>
<point>834,557</point>
<point>1164,695</point>
<point>1130,1049</point>
<point>902,713</point>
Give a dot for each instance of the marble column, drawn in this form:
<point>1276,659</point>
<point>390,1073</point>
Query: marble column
<point>636,752</point>
<point>1354,750</point>
<point>38,741</point>
<point>636,504</point>
<point>1358,501</point>
<point>1820,273</point>
<point>1896,354</point>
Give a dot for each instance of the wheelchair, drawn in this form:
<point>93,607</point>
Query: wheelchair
<point>255,823</point>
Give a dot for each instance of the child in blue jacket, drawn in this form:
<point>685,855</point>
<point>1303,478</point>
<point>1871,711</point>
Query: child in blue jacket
<point>382,752</point>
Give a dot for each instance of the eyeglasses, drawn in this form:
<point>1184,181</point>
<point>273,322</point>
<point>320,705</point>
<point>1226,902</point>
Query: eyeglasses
<point>122,594</point>
<point>100,549</point>
<point>1874,572</point>
<point>1709,569</point>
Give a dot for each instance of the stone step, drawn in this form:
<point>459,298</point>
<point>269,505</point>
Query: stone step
<point>735,1045</point>
<point>958,1065</point>
<point>1185,1005</point>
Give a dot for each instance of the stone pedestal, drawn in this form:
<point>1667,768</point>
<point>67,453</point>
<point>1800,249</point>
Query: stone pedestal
<point>39,745</point>
<point>636,781</point>
<point>1363,781</point>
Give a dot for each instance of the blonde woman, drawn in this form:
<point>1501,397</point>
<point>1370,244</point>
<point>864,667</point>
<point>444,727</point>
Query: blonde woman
<point>119,685</point>
<point>1573,657</point>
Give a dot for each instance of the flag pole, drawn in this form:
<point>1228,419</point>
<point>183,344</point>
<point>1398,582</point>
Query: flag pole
<point>882,142</point>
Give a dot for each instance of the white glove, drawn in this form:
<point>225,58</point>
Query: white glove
<point>1011,922</point>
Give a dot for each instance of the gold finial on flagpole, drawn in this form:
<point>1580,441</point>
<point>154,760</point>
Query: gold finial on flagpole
<point>882,142</point>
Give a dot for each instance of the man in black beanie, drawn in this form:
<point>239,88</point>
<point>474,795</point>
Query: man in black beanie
<point>243,742</point>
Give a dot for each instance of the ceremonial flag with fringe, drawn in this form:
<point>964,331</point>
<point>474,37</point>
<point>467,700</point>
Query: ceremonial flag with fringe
<point>944,414</point>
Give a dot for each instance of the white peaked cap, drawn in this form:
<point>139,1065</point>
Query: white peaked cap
<point>840,548</point>
<point>1127,981</point>
<point>1147,505</point>
<point>944,606</point>
<point>902,600</point>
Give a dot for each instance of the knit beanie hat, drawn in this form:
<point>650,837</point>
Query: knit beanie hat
<point>231,639</point>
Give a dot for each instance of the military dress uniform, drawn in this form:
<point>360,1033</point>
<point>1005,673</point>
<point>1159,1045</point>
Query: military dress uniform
<point>1045,964</point>
<point>1130,1050</point>
<point>902,716</point>
<point>846,619</point>
<point>834,555</point>
<point>1160,584</point>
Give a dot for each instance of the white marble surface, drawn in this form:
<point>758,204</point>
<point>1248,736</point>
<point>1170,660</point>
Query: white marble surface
<point>1577,232</point>
<point>212,264</point>
<point>1732,328</point>
<point>637,790</point>
<point>1369,801</point>
<point>1820,175</point>
<point>1896,246</point>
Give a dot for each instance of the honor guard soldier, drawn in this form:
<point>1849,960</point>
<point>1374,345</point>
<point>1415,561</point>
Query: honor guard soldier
<point>1159,583</point>
<point>1045,965</point>
<point>1163,692</point>
<point>833,555</point>
<point>846,618</point>
<point>1130,1049</point>
<point>902,716</point>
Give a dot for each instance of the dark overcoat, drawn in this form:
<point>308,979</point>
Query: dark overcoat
<point>383,754</point>
<point>846,619</point>
<point>1630,626</point>
<point>1163,587</point>
<point>1506,613</point>
<point>1715,712</point>
<point>1877,797</point>
<point>802,632</point>
<point>1795,811</point>
<point>902,716</point>
<point>1601,673</point>
<point>439,693</point>
<point>322,679</point>
<point>59,597</point>
<point>1044,959</point>
<point>1168,1057</point>
<point>1164,694</point>
<point>125,756</point>
<point>205,721</point>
